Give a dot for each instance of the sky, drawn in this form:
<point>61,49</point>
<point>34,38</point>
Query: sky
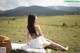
<point>10,4</point>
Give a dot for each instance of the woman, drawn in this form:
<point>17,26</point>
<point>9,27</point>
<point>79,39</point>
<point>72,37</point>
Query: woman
<point>38,40</point>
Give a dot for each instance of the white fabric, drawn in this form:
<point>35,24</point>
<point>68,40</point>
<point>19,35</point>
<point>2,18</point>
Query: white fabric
<point>38,42</point>
<point>17,45</point>
<point>35,45</point>
<point>24,47</point>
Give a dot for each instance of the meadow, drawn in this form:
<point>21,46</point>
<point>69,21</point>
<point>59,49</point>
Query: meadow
<point>64,30</point>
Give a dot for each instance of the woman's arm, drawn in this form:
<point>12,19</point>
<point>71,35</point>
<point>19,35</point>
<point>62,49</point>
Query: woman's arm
<point>27,37</point>
<point>40,31</point>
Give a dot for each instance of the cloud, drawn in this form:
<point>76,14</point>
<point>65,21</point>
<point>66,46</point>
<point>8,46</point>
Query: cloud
<point>9,4</point>
<point>73,4</point>
<point>45,2</point>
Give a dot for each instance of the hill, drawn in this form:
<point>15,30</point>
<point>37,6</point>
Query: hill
<point>51,10</point>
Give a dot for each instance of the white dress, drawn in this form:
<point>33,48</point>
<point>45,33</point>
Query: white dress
<point>38,42</point>
<point>35,45</point>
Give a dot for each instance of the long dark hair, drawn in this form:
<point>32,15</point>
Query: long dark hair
<point>31,22</point>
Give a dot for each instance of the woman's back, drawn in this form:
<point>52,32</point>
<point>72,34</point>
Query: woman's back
<point>38,32</point>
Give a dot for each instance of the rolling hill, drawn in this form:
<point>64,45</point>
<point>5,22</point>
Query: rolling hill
<point>51,10</point>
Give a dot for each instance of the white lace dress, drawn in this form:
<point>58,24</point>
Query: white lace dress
<point>38,42</point>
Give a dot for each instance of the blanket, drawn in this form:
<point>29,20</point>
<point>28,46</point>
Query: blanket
<point>24,47</point>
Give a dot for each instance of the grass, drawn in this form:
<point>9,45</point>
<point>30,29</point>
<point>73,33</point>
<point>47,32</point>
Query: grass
<point>64,30</point>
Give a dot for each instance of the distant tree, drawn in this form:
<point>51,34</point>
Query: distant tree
<point>64,24</point>
<point>8,22</point>
<point>76,24</point>
<point>13,18</point>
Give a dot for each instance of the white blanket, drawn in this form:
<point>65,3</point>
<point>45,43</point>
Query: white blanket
<point>26,48</point>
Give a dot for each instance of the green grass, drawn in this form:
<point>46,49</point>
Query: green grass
<point>52,27</point>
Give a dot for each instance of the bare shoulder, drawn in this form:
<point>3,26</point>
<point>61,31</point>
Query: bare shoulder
<point>37,26</point>
<point>39,29</point>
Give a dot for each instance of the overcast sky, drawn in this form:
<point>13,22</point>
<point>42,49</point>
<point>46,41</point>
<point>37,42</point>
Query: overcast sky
<point>9,4</point>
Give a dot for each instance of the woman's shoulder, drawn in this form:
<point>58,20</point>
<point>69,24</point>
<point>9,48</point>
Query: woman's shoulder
<point>37,26</point>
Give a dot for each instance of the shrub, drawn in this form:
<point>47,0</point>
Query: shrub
<point>64,24</point>
<point>13,18</point>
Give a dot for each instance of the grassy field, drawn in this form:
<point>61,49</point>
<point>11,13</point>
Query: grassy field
<point>64,30</point>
